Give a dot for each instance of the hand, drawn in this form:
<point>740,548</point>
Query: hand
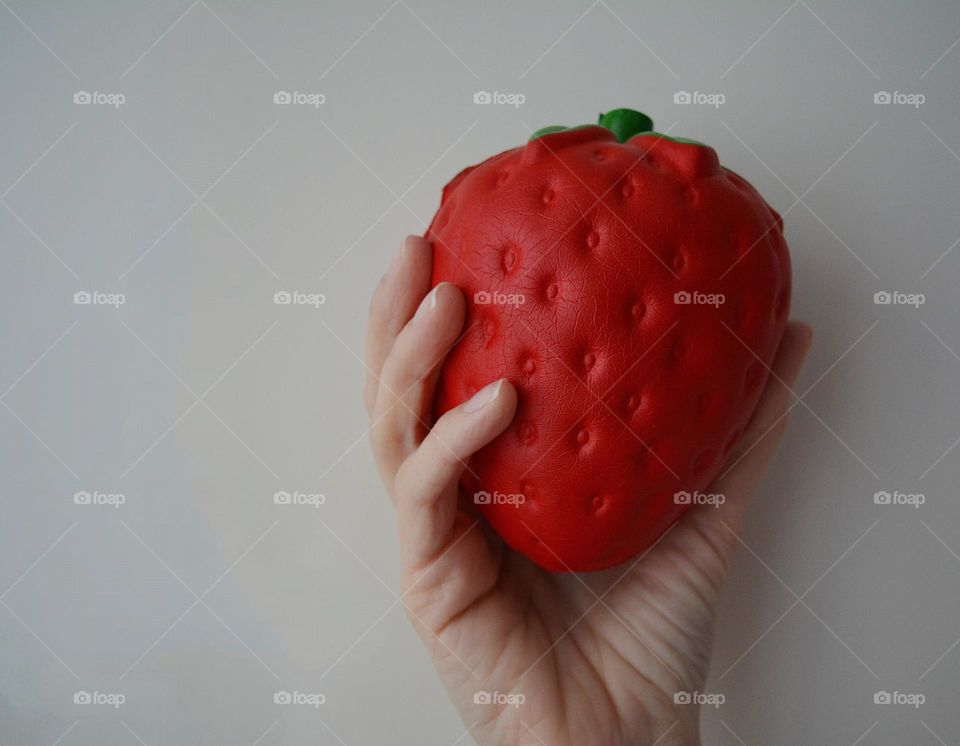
<point>595,658</point>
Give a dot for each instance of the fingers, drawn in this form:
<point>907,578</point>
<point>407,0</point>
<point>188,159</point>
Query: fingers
<point>768,417</point>
<point>426,485</point>
<point>393,304</point>
<point>409,375</point>
<point>749,460</point>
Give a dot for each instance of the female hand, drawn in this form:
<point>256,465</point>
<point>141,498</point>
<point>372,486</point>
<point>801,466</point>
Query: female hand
<point>565,659</point>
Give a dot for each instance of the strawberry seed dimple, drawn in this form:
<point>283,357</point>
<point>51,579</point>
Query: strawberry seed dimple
<point>509,259</point>
<point>679,262</point>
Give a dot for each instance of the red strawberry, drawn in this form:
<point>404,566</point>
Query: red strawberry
<point>576,253</point>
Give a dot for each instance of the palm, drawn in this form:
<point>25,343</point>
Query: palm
<point>598,657</point>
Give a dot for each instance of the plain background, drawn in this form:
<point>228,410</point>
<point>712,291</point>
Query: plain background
<point>198,198</point>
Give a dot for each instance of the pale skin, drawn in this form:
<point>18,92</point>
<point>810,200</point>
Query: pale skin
<point>596,658</point>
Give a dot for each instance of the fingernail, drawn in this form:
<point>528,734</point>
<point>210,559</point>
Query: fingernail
<point>483,397</point>
<point>428,303</point>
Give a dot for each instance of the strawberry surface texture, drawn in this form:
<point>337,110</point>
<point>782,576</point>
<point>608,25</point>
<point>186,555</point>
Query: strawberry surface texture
<point>634,292</point>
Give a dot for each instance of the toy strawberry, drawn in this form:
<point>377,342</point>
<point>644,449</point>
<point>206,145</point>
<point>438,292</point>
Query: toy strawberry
<point>634,291</point>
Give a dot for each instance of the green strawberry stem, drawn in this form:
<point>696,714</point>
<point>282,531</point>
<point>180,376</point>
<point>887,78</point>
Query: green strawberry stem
<point>623,123</point>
